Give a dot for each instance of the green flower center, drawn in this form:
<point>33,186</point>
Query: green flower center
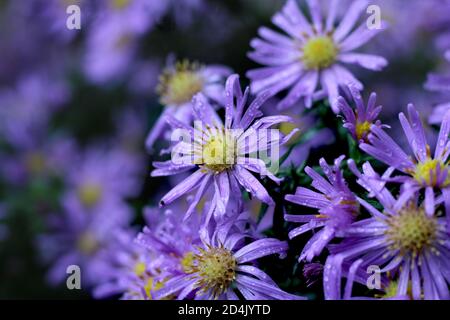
<point>362,129</point>
<point>411,231</point>
<point>427,171</point>
<point>89,195</point>
<point>180,85</point>
<point>219,152</point>
<point>216,268</point>
<point>319,52</point>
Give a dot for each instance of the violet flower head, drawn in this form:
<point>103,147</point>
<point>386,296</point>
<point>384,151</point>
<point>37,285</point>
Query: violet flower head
<point>178,84</point>
<point>358,122</point>
<point>409,245</point>
<point>336,204</point>
<point>138,268</point>
<point>423,171</point>
<point>94,212</point>
<point>312,53</point>
<point>223,153</point>
<point>224,269</point>
<point>441,83</point>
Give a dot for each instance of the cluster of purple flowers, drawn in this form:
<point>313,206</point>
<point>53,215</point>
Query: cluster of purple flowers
<point>234,160</point>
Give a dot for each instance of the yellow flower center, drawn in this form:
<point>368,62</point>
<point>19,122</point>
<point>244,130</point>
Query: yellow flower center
<point>187,262</point>
<point>120,4</point>
<point>180,85</point>
<point>411,230</point>
<point>35,162</point>
<point>152,285</point>
<point>216,268</point>
<point>286,128</point>
<point>362,129</point>
<point>89,195</point>
<point>87,243</point>
<point>319,52</point>
<point>140,268</point>
<point>219,152</point>
<point>426,172</point>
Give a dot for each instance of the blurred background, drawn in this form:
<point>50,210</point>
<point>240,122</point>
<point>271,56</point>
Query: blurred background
<point>76,106</point>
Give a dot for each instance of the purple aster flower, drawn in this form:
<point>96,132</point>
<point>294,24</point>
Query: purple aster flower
<point>223,268</point>
<point>112,42</point>
<point>94,211</point>
<point>358,122</point>
<point>178,85</point>
<point>424,171</point>
<point>312,53</point>
<point>404,241</point>
<point>81,237</point>
<point>50,159</point>
<point>159,252</point>
<point>336,204</point>
<point>101,175</point>
<point>441,83</point>
<point>224,154</point>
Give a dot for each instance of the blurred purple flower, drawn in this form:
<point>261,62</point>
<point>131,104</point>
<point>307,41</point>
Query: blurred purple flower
<point>26,109</point>
<point>94,211</point>
<point>112,41</point>
<point>311,54</point>
<point>439,83</point>
<point>179,83</point>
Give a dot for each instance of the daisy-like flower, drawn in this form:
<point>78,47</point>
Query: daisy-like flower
<point>178,84</point>
<point>403,240</point>
<point>358,122</point>
<point>224,269</point>
<point>224,154</point>
<point>441,83</point>
<point>336,204</point>
<point>424,171</point>
<point>311,55</point>
<point>137,268</point>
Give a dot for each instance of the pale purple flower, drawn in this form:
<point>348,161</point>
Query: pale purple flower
<point>409,246</point>
<point>179,83</point>
<point>112,41</point>
<point>423,172</point>
<point>222,268</point>
<point>140,264</point>
<point>336,204</point>
<point>311,54</point>
<point>26,108</point>
<point>223,152</point>
<point>358,122</point>
<point>94,211</point>
<point>441,83</point>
